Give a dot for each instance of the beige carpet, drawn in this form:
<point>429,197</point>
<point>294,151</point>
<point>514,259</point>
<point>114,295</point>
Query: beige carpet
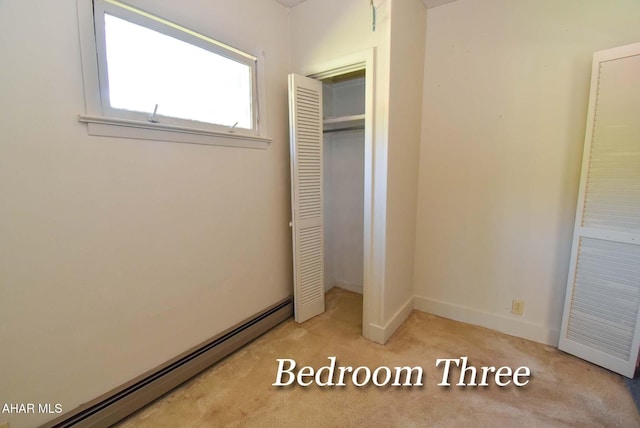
<point>563,390</point>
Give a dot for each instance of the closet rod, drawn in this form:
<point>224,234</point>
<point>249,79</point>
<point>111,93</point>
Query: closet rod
<point>347,128</point>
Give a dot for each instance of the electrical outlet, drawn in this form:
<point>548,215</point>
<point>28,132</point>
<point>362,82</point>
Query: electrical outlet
<point>517,307</point>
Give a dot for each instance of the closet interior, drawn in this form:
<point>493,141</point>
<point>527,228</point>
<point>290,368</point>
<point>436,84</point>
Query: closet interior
<point>343,180</point>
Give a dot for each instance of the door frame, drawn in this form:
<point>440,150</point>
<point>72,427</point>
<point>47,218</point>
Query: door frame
<point>373,237</point>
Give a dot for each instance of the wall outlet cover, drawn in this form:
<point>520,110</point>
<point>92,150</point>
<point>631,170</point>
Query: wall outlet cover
<point>517,307</point>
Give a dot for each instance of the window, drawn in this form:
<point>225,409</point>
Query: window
<point>158,80</point>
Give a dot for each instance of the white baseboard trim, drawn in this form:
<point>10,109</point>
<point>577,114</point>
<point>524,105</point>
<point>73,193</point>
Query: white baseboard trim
<point>503,324</point>
<point>356,288</point>
<point>380,334</point>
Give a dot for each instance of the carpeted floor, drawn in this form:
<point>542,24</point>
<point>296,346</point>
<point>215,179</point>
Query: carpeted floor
<point>563,391</point>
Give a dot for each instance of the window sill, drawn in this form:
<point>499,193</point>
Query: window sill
<point>123,128</point>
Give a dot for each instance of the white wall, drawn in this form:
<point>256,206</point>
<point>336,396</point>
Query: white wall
<point>116,254</point>
<point>325,30</point>
<point>506,86</point>
<point>408,19</point>
<point>344,159</point>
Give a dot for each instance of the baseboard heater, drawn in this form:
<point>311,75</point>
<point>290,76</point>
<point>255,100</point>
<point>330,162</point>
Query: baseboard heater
<point>121,402</point>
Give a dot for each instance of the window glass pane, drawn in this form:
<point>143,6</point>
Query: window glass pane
<point>146,68</point>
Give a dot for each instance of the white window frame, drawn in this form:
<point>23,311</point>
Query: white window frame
<point>103,120</point>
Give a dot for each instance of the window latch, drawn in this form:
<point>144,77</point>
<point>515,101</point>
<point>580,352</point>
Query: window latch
<point>152,116</point>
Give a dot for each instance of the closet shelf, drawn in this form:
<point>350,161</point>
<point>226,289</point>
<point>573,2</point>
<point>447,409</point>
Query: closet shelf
<point>343,123</point>
<point>343,120</point>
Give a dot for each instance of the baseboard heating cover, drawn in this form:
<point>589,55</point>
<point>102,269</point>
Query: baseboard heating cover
<point>121,402</point>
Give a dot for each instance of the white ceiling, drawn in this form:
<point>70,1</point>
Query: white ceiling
<point>427,3</point>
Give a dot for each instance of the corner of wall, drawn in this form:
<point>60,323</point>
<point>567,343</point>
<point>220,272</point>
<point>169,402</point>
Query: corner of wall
<point>380,334</point>
<point>407,36</point>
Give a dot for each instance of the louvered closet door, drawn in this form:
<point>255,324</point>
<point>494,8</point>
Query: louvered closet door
<point>601,319</point>
<point>305,121</point>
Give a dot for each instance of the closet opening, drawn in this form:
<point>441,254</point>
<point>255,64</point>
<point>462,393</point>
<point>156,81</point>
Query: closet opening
<point>343,189</point>
<point>335,244</point>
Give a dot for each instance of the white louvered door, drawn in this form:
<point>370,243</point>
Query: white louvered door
<point>305,133</point>
<point>601,320</point>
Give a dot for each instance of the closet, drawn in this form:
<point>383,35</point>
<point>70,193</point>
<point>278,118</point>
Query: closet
<point>343,180</point>
<point>327,131</point>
